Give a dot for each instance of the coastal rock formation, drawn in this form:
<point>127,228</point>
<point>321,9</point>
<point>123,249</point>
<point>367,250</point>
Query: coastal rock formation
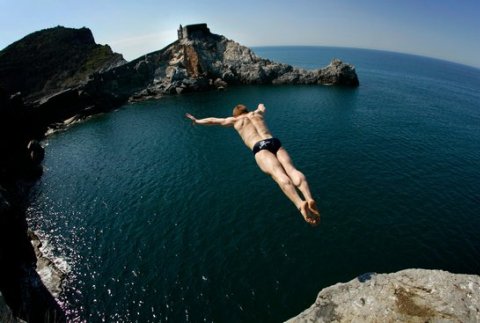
<point>20,164</point>
<point>20,285</point>
<point>335,73</point>
<point>6,315</point>
<point>62,73</point>
<point>52,276</point>
<point>412,295</point>
<point>21,156</point>
<point>51,60</point>
<point>201,60</point>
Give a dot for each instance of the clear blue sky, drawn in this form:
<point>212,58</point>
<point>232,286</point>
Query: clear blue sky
<point>446,29</point>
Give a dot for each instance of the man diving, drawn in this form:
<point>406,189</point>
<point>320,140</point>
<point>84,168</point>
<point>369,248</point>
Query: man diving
<point>270,156</point>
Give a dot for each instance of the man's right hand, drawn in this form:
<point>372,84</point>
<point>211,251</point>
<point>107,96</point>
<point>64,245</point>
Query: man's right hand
<point>261,107</point>
<point>189,116</point>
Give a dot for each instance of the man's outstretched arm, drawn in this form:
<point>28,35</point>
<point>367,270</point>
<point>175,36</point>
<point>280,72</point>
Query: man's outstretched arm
<point>226,122</point>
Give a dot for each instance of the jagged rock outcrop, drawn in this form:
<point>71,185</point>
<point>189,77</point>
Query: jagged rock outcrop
<point>21,155</point>
<point>6,315</point>
<point>412,295</point>
<point>52,60</point>
<point>20,285</point>
<point>63,74</point>
<point>201,60</point>
<point>52,276</point>
<point>50,70</point>
<point>20,164</point>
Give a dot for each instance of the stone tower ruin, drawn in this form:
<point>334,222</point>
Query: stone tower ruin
<point>193,31</point>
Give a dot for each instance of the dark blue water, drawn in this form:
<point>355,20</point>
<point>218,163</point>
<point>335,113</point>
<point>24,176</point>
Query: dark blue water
<point>161,220</point>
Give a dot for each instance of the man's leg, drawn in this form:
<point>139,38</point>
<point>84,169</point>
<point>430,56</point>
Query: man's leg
<point>298,179</point>
<point>269,164</point>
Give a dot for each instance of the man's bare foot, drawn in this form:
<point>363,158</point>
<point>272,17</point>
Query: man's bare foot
<point>312,207</point>
<point>310,218</point>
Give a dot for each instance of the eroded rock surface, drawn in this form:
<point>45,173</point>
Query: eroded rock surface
<point>202,60</point>
<point>411,295</point>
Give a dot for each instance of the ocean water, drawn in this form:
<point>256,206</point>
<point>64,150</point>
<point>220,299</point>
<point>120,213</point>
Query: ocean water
<point>159,220</point>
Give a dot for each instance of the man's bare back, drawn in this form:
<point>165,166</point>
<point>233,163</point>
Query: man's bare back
<point>252,128</point>
<point>270,156</point>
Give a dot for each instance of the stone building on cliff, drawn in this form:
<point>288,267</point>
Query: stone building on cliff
<point>193,31</point>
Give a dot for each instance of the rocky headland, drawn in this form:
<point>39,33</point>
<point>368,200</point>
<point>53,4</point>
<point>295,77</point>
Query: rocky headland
<point>200,60</point>
<point>51,60</point>
<point>412,295</point>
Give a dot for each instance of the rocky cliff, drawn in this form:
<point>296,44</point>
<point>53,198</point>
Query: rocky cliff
<point>51,60</point>
<point>197,61</point>
<point>20,165</point>
<point>6,315</point>
<point>39,65</point>
<point>412,295</point>
<point>203,60</point>
<point>62,73</point>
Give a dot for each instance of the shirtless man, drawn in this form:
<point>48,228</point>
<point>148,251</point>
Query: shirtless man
<point>271,157</point>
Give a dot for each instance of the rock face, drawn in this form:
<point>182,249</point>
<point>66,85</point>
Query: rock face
<point>412,295</point>
<point>200,60</point>
<point>51,60</point>
<point>21,156</point>
<point>6,315</point>
<point>20,164</point>
<point>51,276</point>
<point>20,285</point>
<point>63,74</point>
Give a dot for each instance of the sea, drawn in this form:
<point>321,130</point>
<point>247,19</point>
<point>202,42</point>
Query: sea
<point>155,219</point>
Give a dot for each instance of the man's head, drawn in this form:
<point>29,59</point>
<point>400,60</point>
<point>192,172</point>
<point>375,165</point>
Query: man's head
<point>239,110</point>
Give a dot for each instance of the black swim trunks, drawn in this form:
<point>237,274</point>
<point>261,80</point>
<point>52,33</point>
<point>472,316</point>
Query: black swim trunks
<point>270,144</point>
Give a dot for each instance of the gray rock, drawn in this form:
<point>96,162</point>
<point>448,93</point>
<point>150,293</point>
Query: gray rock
<point>175,73</point>
<point>192,63</point>
<point>6,315</point>
<point>51,275</point>
<point>219,83</point>
<point>179,90</point>
<point>141,67</point>
<point>228,75</point>
<point>411,295</point>
<point>35,151</point>
<point>338,72</point>
<point>203,55</point>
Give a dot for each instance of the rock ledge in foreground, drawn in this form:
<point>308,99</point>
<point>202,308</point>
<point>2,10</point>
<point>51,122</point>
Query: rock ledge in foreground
<point>411,295</point>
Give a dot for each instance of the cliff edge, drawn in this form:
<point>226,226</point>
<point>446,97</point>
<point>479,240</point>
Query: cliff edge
<point>411,295</point>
